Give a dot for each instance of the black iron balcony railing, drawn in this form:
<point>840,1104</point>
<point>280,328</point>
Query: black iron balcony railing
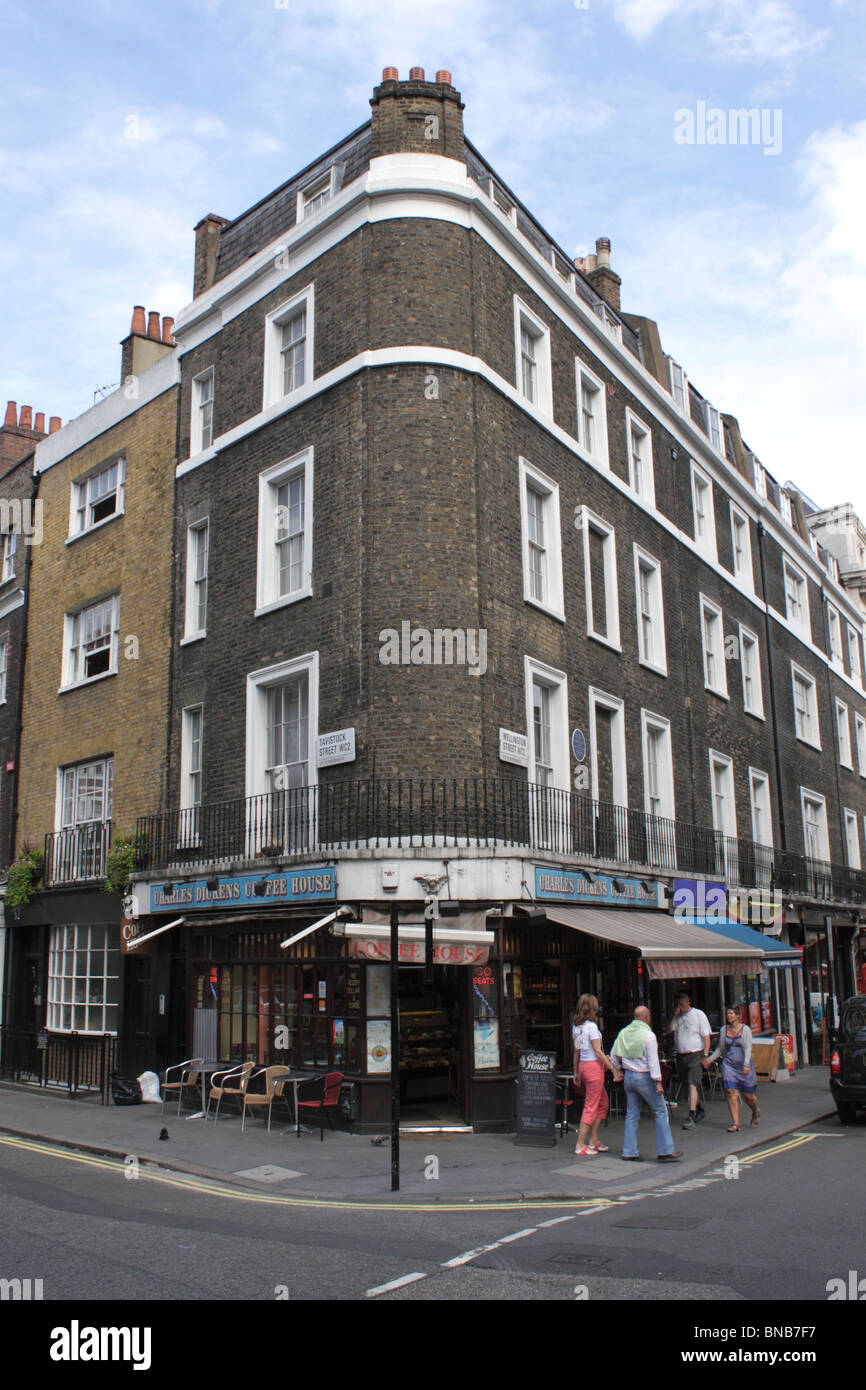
<point>403,813</point>
<point>77,854</point>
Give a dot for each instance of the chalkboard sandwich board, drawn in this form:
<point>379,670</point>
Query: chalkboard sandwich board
<point>536,1098</point>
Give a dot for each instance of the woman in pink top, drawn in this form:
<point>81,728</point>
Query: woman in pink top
<point>590,1064</point>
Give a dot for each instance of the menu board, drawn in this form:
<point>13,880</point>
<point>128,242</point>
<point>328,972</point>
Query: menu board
<point>536,1098</point>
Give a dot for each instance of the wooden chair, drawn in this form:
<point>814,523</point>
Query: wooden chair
<point>240,1075</point>
<point>190,1075</point>
<point>257,1100</point>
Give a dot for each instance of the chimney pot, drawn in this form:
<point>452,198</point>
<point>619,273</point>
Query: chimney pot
<point>443,75</point>
<point>138,320</point>
<point>416,74</point>
<point>39,422</point>
<point>153,329</point>
<point>26,421</point>
<point>390,75</point>
<point>11,413</point>
<point>54,424</point>
<point>602,246</point>
<point>167,326</point>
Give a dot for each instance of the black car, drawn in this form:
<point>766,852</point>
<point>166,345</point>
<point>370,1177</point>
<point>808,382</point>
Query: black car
<point>848,1060</point>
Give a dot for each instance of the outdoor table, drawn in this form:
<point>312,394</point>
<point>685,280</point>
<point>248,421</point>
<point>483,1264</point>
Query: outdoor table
<point>563,1079</point>
<point>296,1079</point>
<point>205,1070</point>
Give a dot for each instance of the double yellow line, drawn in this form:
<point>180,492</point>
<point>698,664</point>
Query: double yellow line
<point>209,1188</point>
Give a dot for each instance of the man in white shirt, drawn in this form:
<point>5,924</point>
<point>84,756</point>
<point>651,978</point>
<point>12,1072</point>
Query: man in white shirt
<point>692,1030</point>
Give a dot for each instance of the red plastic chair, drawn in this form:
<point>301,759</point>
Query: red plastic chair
<point>323,1094</point>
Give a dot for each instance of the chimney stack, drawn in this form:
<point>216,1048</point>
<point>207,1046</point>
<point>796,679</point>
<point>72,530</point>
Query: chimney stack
<point>19,435</point>
<point>207,241</point>
<point>146,342</point>
<point>417,116</point>
<point>604,281</point>
<point>54,424</point>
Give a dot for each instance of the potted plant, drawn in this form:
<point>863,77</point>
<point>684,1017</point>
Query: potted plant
<point>120,862</point>
<point>23,873</point>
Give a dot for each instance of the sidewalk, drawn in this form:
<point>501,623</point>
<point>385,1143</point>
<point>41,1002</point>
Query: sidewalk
<point>347,1167</point>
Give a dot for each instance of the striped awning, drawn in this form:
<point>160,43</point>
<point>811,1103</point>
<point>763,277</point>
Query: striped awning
<point>672,949</point>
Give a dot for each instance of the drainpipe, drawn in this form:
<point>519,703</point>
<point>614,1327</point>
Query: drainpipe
<point>767,639</point>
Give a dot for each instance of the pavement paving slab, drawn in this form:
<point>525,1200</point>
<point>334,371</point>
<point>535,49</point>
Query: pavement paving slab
<point>433,1168</point>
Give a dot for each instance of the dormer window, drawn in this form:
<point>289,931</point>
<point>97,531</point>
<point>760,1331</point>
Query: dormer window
<point>316,194</point>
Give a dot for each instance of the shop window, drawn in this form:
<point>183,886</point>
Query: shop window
<point>83,979</point>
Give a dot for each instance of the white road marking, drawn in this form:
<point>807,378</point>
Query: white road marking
<point>556,1221</point>
<point>395,1284</point>
<point>518,1235</point>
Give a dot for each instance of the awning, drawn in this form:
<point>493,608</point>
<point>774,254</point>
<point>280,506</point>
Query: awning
<point>672,949</point>
<point>461,940</point>
<point>777,956</point>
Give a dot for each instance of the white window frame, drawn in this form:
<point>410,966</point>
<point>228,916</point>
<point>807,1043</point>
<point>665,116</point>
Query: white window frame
<point>80,503</point>
<point>852,851</point>
<point>643,485</point>
<point>860,741</point>
<point>73,659</point>
<point>705,535</point>
<point>597,447</point>
<point>615,705</point>
<point>760,782</point>
<point>715,431</point>
<point>267,578</point>
<point>69,947</point>
<point>722,761</point>
<point>192,632</point>
<point>820,802</point>
<point>834,628</point>
<point>590,522</point>
<point>713,647</point>
<point>800,620</point>
<point>679,385</point>
<point>273,392</point>
<point>191,773</point>
<point>8,550</point>
<point>537,672</point>
<point>201,434</point>
<point>312,191</point>
<point>658,724</point>
<point>642,558</point>
<point>4,666</point>
<point>540,333</point>
<point>854,654</point>
<point>83,847</point>
<point>740,526</point>
<point>258,684</point>
<point>749,642</point>
<point>812,712</point>
<point>532,478</point>
<point>843,735</point>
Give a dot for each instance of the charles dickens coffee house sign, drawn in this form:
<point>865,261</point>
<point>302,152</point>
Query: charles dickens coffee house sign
<point>314,884</point>
<point>560,885</point>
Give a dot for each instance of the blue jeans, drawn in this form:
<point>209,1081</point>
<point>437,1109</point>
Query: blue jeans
<point>639,1086</point>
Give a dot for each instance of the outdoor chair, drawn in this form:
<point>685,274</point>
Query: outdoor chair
<point>190,1075</point>
<point>238,1076</point>
<point>321,1094</point>
<point>257,1100</point>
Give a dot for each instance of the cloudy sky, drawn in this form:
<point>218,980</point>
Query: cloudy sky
<point>123,123</point>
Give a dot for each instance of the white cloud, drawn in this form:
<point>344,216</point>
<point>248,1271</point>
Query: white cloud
<point>738,29</point>
<point>766,308</point>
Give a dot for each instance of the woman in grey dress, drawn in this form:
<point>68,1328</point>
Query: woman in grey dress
<point>738,1070</point>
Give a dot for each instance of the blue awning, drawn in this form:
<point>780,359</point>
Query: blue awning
<point>776,954</point>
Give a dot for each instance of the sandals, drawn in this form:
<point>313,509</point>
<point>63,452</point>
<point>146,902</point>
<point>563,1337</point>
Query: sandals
<point>733,1129</point>
<point>602,1149</point>
<point>586,1152</point>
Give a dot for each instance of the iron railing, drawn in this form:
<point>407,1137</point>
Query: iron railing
<point>404,813</point>
<point>77,854</point>
<point>80,1063</point>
